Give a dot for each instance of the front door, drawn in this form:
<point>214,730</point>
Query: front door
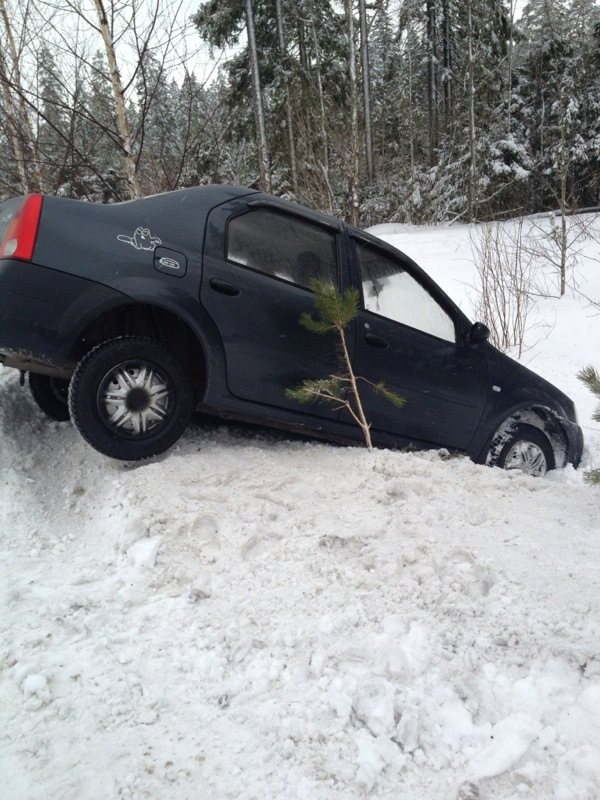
<point>408,338</point>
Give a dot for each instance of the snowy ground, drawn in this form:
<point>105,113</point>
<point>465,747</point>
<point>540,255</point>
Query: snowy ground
<point>259,618</point>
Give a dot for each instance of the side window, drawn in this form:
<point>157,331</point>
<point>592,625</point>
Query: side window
<point>282,245</point>
<point>390,291</point>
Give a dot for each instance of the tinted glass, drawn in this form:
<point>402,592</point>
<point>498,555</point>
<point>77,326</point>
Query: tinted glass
<point>390,291</point>
<point>283,246</point>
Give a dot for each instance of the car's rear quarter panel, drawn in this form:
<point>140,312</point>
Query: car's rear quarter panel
<point>40,309</point>
<point>82,238</point>
<point>81,268</point>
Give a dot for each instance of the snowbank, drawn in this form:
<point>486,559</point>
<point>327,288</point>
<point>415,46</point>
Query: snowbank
<point>254,617</point>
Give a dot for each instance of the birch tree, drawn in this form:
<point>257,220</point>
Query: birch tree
<point>128,32</point>
<point>20,129</point>
<point>116,80</point>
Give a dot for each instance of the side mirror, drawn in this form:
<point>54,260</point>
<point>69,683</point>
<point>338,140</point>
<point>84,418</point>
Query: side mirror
<point>478,333</point>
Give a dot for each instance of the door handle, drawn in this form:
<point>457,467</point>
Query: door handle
<point>376,341</point>
<point>224,288</point>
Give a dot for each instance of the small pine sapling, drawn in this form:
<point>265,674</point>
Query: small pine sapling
<point>335,312</point>
<point>591,378</point>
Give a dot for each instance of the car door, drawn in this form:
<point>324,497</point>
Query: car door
<point>411,338</point>
<point>258,264</point>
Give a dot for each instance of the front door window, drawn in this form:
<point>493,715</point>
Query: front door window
<point>390,291</point>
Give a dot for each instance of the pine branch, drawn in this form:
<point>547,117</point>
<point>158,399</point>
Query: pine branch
<point>314,325</point>
<point>591,378</point>
<point>325,390</point>
<point>334,312</point>
<point>593,477</point>
<point>393,397</point>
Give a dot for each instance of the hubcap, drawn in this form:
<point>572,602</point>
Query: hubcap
<point>134,399</point>
<point>527,457</point>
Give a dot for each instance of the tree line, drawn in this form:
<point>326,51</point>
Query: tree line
<point>396,110</point>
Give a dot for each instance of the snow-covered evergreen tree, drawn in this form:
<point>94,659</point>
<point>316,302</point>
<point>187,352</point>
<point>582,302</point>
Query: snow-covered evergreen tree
<point>591,377</point>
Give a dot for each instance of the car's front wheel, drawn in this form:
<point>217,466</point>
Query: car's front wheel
<point>527,449</point>
<point>51,395</point>
<point>130,398</point>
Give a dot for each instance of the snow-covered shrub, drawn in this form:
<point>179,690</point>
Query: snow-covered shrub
<point>505,287</point>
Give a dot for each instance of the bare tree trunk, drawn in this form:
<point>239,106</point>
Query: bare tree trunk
<point>323,117</point>
<point>510,67</point>
<point>119,93</point>
<point>471,96</point>
<point>564,172</point>
<point>21,135</point>
<point>447,63</point>
<point>288,100</point>
<point>432,81</point>
<point>366,76</point>
<point>14,129</point>
<point>259,111</point>
<point>354,167</point>
<point>411,127</point>
<point>563,254</point>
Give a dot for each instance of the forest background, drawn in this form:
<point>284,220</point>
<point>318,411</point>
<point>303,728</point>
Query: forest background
<point>396,110</point>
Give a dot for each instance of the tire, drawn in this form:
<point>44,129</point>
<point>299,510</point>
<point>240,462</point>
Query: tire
<point>130,398</point>
<point>529,450</point>
<point>51,395</point>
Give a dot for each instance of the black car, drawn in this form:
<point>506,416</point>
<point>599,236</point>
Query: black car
<point>129,316</point>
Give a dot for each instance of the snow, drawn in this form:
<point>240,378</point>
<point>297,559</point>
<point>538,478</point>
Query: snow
<point>254,616</point>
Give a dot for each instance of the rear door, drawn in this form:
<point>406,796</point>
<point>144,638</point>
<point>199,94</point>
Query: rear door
<point>411,338</point>
<point>258,264</point>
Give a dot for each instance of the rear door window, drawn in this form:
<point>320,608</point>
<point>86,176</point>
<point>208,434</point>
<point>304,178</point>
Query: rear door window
<point>283,246</point>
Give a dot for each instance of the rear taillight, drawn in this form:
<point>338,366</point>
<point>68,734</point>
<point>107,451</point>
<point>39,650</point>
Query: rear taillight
<point>19,238</point>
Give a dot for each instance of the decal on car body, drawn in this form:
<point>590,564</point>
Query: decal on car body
<point>141,239</point>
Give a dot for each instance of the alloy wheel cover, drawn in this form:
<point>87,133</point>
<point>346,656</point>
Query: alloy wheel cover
<point>528,457</point>
<point>136,399</point>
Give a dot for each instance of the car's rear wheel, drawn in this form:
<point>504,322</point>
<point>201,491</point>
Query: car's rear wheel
<point>527,449</point>
<point>51,395</point>
<point>130,398</point>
